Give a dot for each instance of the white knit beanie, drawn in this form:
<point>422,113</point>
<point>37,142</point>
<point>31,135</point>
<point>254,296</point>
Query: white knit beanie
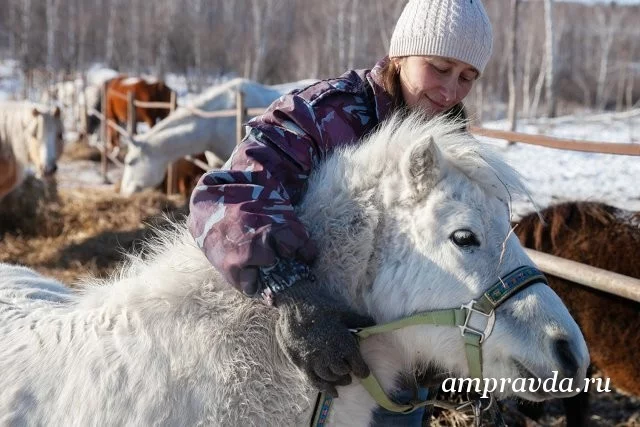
<point>458,29</point>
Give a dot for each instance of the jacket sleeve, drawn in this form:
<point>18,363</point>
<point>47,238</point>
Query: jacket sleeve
<point>243,217</point>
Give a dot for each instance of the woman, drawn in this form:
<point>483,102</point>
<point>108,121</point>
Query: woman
<point>243,217</point>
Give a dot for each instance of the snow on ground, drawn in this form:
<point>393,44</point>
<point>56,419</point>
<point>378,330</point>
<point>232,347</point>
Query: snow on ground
<point>86,174</point>
<point>555,176</point>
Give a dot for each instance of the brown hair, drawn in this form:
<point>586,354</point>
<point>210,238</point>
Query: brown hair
<point>390,74</point>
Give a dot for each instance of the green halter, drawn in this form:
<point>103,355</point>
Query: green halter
<point>505,288</point>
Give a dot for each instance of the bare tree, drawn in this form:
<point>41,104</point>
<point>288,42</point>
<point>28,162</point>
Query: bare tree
<point>83,22</point>
<point>11,4</point>
<point>165,11</point>
<point>111,32</point>
<point>197,40</point>
<point>632,73</point>
<point>52,28</point>
<point>383,30</point>
<point>259,9</point>
<point>550,55</point>
<point>354,33</point>
<point>526,75</point>
<point>134,32</point>
<point>24,47</point>
<point>342,34</point>
<point>608,24</point>
<point>513,55</point>
<point>538,87</point>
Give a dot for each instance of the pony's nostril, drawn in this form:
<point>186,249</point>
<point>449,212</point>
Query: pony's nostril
<point>567,360</point>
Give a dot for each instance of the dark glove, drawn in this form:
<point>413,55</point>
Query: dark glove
<point>313,331</point>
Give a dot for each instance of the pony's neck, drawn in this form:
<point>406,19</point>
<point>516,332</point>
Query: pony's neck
<point>183,139</point>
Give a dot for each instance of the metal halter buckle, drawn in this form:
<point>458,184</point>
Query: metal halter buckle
<point>491,319</point>
<point>477,407</point>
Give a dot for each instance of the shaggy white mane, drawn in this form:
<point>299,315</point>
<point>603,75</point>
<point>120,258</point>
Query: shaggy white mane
<point>383,150</point>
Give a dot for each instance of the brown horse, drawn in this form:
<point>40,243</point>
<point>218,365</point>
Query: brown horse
<point>607,238</point>
<point>9,173</point>
<point>117,91</point>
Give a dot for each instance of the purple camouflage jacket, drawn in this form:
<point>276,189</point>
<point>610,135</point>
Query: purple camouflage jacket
<point>242,217</point>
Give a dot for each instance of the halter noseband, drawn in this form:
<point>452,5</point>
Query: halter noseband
<point>485,306</point>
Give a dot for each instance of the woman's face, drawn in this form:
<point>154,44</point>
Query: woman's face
<point>434,83</point>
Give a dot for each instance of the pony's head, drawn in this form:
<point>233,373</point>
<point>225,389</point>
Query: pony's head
<point>417,219</point>
<point>45,143</point>
<point>142,169</point>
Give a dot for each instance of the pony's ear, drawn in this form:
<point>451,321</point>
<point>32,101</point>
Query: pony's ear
<point>422,166</point>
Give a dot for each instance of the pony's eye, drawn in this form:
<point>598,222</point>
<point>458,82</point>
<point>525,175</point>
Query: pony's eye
<point>464,238</point>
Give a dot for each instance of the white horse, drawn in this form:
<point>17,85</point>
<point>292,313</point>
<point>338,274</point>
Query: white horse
<point>414,219</point>
<point>185,132</point>
<point>31,136</point>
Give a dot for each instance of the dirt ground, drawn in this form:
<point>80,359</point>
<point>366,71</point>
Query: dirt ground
<point>77,226</point>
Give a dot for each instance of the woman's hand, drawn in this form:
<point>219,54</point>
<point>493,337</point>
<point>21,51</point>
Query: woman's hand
<point>313,330</point>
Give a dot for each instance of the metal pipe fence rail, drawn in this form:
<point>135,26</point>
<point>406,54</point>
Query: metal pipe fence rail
<point>586,275</point>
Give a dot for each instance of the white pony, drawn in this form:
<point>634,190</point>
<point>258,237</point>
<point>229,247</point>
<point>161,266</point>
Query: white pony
<point>414,219</point>
<point>31,136</point>
<point>184,132</point>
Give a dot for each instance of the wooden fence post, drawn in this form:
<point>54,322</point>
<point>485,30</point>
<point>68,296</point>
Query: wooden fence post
<point>104,162</point>
<point>173,101</point>
<point>171,172</point>
<point>131,113</point>
<point>84,110</point>
<point>241,116</point>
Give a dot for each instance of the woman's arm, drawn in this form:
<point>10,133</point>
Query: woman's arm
<point>243,217</point>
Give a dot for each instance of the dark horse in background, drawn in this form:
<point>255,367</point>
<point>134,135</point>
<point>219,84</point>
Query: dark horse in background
<point>605,237</point>
<point>117,90</point>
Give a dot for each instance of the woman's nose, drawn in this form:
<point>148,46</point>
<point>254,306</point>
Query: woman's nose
<point>448,92</point>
